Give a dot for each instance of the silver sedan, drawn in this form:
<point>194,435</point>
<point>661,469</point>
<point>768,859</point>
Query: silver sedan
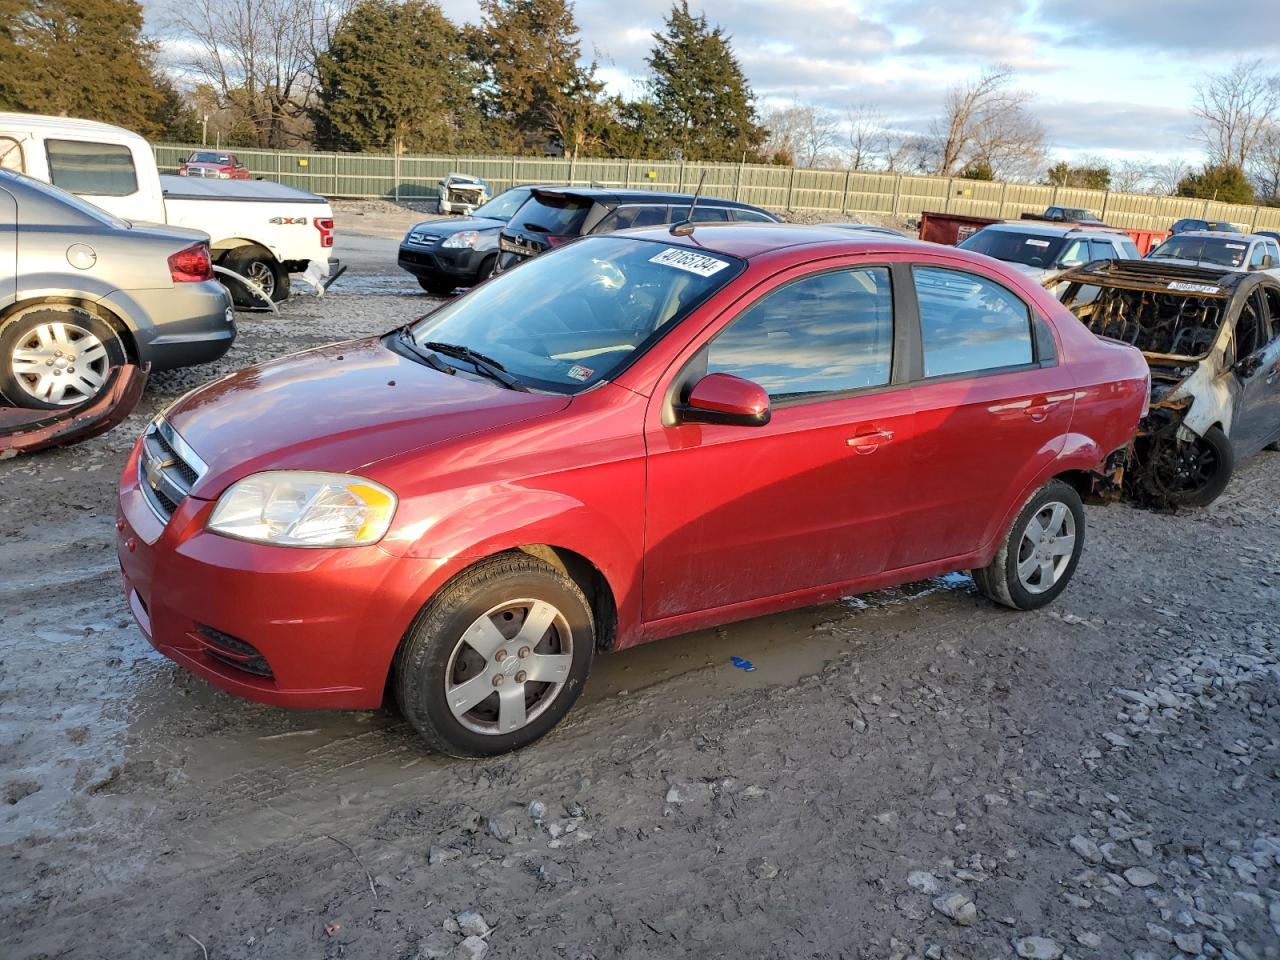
<point>86,292</point>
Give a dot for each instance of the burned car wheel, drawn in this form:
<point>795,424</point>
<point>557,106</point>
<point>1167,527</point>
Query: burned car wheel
<point>1039,553</point>
<point>496,659</point>
<point>1182,474</point>
<point>56,357</point>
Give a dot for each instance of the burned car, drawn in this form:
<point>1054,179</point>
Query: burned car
<point>460,193</point>
<point>1212,340</point>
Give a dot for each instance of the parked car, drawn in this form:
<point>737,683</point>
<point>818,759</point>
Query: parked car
<point>259,230</point>
<point>1232,251</point>
<point>92,292</point>
<point>460,251</point>
<point>953,228</point>
<point>461,193</point>
<point>554,216</point>
<point>1041,250</point>
<point>1191,223</point>
<point>1079,215</point>
<point>1212,339</point>
<point>24,430</point>
<point>213,163</point>
<point>1271,234</point>
<point>463,511</point>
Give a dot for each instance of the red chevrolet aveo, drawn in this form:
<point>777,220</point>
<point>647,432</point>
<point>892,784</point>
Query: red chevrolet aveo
<point>636,436</point>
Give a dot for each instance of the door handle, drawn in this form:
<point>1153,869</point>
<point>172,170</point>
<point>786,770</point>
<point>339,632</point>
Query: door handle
<point>869,441</point>
<point>1039,408</point>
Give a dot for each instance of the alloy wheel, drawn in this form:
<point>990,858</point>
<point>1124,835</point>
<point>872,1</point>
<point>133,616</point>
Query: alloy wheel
<point>262,274</point>
<point>60,363</point>
<point>1046,547</point>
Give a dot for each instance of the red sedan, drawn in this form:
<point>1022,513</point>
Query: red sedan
<point>215,164</point>
<point>639,435</point>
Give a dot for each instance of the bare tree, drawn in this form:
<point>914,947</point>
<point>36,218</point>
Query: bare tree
<point>259,56</point>
<point>1132,176</point>
<point>866,136</point>
<point>1166,176</point>
<point>802,133</point>
<point>1264,166</point>
<point>1234,108</point>
<point>986,121</point>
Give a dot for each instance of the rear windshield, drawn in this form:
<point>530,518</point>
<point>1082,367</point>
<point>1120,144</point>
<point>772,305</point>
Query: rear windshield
<point>1026,248</point>
<point>554,214</point>
<point>1218,250</point>
<point>504,204</point>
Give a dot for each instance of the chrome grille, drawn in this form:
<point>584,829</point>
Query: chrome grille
<point>423,238</point>
<point>167,468</point>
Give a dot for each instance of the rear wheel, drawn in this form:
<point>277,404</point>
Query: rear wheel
<point>496,659</point>
<point>259,266</point>
<point>56,357</point>
<point>1039,554</point>
<point>1179,473</point>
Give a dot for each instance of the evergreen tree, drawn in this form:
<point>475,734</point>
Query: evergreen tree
<point>79,58</point>
<point>701,97</point>
<point>396,72</point>
<point>530,51</point>
<point>1224,182</point>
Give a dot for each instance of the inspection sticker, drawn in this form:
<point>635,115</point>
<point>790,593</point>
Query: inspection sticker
<point>1037,243</point>
<point>580,373</point>
<point>1192,287</point>
<point>1237,246</point>
<point>689,261</point>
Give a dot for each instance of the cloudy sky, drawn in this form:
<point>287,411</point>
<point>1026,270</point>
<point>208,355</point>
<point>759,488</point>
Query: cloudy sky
<point>1114,77</point>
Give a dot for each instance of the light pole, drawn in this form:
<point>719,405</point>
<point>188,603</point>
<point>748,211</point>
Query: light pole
<point>204,130</point>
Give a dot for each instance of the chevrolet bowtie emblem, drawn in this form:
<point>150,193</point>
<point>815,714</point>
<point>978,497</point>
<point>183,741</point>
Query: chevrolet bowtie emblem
<point>153,469</point>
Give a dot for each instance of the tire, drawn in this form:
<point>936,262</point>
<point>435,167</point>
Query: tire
<point>487,268</point>
<point>1045,568</point>
<point>438,656</point>
<point>57,357</point>
<point>437,288</point>
<point>260,267</point>
<point>1180,474</point>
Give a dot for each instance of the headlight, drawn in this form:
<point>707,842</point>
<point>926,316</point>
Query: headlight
<point>464,238</point>
<point>297,508</point>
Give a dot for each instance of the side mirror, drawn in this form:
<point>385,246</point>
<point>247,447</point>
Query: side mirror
<point>725,399</point>
<point>1267,262</point>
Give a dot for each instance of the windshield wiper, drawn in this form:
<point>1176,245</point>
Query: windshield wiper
<point>429,357</point>
<point>537,227</point>
<point>486,365</point>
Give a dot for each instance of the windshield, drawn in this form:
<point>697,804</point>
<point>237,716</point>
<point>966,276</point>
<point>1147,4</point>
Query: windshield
<point>574,317</point>
<point>504,205</point>
<point>1219,250</point>
<point>209,158</point>
<point>1032,250</point>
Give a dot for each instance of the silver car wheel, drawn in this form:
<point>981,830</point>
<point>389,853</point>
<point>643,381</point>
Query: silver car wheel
<point>509,666</point>
<point>262,274</point>
<point>60,363</point>
<point>1046,548</point>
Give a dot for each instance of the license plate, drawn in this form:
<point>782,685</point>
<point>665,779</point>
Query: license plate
<point>513,246</point>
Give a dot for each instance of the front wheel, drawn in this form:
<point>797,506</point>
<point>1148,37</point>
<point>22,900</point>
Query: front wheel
<point>1179,473</point>
<point>1039,553</point>
<point>496,659</point>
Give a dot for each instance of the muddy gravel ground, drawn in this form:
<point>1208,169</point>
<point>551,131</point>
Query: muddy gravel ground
<point>913,773</point>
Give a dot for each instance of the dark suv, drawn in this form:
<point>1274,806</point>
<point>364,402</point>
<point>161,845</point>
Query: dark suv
<point>552,216</point>
<point>1188,224</point>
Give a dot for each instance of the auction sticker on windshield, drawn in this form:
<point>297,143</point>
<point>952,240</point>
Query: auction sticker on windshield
<point>1192,287</point>
<point>1037,243</point>
<point>689,261</point>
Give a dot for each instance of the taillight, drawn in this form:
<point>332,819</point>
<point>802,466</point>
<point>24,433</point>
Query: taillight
<point>555,241</point>
<point>191,265</point>
<point>325,226</point>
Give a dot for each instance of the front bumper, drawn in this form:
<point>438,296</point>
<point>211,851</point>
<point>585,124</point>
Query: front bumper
<point>311,628</point>
<point>185,324</point>
<point>460,264</point>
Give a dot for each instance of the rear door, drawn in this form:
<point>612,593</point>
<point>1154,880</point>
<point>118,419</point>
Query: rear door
<point>8,248</point>
<point>1256,420</point>
<point>992,405</point>
<point>734,513</point>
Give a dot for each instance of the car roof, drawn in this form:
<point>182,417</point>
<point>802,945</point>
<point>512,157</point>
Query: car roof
<point>54,125</point>
<point>620,197</point>
<point>748,240</point>
<point>1038,229</point>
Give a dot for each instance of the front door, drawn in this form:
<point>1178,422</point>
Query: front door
<point>812,498</point>
<point>1256,418</point>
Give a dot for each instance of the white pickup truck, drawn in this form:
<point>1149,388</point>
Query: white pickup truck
<point>258,229</point>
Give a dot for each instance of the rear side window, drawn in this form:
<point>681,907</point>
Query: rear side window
<point>649,215</point>
<point>95,169</point>
<point>703,214</point>
<point>750,216</point>
<point>822,334</point>
<point>554,214</point>
<point>1129,249</point>
<point>11,155</point>
<point>1101,250</point>
<point>969,323</point>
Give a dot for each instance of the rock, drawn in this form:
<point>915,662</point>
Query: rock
<point>763,869</point>
<point>450,924</point>
<point>751,793</point>
<point>439,855</point>
<point>437,945</point>
<point>1116,740</point>
<point>1157,932</point>
<point>912,907</point>
<point>504,827</point>
<point>555,873</point>
<point>472,924</point>
<point>933,953</point>
<point>1191,943</point>
<point>1086,848</point>
<point>1080,903</point>
<point>472,948</point>
<point>1143,847</point>
<point>924,881</point>
<point>537,810</point>
<point>1088,939</point>
<point>1140,877</point>
<point>1038,948</point>
<point>957,907</point>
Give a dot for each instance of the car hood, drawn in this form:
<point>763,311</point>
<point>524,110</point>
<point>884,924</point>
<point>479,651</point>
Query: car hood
<point>340,407</point>
<point>446,228</point>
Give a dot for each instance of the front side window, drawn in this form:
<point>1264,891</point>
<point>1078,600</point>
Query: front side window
<point>969,324</point>
<point>11,155</point>
<point>1076,252</point>
<point>1256,258</point>
<point>1101,250</point>
<point>574,317</point>
<point>826,333</point>
<point>93,169</point>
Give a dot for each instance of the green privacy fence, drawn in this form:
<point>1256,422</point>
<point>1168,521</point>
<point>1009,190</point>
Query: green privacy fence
<point>407,177</point>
